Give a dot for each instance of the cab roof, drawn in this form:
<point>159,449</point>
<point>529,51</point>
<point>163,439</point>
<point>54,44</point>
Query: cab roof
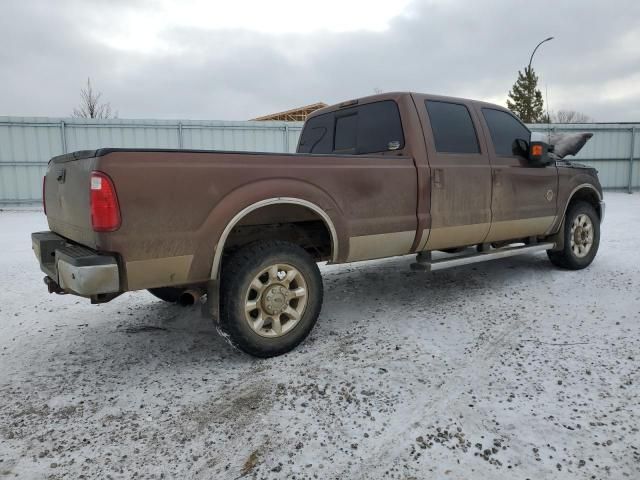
<point>396,96</point>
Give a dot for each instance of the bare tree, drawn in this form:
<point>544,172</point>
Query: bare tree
<point>90,106</point>
<point>570,116</point>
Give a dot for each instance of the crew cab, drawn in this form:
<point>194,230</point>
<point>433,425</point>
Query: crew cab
<point>380,176</point>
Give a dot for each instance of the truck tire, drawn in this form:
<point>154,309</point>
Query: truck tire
<point>581,238</point>
<point>270,297</point>
<point>168,294</point>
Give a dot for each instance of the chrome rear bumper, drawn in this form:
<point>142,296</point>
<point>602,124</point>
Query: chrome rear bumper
<point>73,268</point>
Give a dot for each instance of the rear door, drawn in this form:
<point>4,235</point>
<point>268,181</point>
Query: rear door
<point>460,173</point>
<point>381,199</point>
<point>524,197</point>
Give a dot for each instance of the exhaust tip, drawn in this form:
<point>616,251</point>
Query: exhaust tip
<point>189,297</point>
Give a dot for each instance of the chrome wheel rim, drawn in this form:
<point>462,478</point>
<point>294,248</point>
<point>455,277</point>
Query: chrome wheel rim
<point>581,235</point>
<point>276,300</point>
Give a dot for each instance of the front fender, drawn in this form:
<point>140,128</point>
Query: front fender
<point>572,181</point>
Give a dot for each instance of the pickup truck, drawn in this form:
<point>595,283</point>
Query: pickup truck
<point>241,233</point>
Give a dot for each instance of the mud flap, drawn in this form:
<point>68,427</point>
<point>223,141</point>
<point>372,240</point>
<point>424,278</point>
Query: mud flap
<point>558,238</point>
<point>211,308</point>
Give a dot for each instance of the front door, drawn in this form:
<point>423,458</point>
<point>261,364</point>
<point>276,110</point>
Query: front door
<point>524,199</point>
<point>460,174</point>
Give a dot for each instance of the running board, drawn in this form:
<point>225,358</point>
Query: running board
<point>425,264</point>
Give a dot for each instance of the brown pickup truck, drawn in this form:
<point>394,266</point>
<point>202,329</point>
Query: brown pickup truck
<point>391,174</point>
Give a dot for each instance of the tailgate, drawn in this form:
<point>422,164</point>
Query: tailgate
<point>66,194</point>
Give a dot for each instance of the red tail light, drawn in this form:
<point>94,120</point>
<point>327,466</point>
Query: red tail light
<point>44,200</point>
<point>105,211</point>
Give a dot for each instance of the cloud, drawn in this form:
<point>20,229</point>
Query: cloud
<point>178,70</point>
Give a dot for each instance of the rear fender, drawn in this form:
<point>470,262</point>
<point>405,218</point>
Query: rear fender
<point>233,207</point>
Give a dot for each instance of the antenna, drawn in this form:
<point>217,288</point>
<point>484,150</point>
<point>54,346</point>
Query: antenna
<point>546,94</point>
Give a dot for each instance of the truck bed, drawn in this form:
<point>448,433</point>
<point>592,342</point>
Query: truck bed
<point>174,204</point>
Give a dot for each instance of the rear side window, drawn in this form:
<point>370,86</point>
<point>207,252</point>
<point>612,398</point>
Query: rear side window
<point>504,129</point>
<point>371,128</point>
<point>452,127</point>
<point>379,127</point>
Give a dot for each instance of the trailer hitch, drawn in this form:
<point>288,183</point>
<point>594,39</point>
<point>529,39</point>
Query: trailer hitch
<point>53,286</point>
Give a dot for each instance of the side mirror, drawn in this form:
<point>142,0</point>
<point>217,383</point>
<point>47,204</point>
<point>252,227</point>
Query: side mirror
<point>539,148</point>
<point>520,147</point>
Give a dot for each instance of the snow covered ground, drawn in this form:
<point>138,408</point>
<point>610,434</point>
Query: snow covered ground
<point>505,370</point>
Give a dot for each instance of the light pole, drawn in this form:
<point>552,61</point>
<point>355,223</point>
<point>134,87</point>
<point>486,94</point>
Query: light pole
<point>530,73</point>
<point>534,51</point>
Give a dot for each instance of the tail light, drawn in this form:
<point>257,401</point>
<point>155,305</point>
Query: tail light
<point>105,211</point>
<point>44,200</point>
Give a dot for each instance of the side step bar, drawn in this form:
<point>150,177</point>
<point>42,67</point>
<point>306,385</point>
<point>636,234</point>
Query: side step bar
<point>424,262</point>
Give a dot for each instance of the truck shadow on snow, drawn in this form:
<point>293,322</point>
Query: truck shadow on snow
<point>135,342</point>
<point>388,288</point>
<point>392,284</point>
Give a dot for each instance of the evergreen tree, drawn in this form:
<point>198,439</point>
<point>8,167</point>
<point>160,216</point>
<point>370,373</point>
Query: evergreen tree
<point>525,100</point>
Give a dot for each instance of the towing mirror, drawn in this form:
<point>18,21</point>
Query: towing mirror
<point>520,147</point>
<point>538,153</point>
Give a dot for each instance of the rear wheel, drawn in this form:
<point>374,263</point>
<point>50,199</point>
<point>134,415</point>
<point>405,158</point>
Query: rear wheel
<point>270,298</point>
<point>168,294</point>
<point>581,238</point>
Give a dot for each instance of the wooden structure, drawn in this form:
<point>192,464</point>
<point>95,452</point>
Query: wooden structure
<point>298,114</point>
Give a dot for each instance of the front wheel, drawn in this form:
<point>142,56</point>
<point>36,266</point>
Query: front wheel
<point>270,298</point>
<point>581,238</point>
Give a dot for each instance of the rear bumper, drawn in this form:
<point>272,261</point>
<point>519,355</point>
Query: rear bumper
<point>73,268</point>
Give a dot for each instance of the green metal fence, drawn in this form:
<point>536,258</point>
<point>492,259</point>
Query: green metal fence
<point>27,143</point>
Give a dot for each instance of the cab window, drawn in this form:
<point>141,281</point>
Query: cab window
<point>504,129</point>
<point>317,135</point>
<point>345,138</point>
<point>452,127</point>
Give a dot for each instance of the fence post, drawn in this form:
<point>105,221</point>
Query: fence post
<point>63,137</point>
<point>180,135</point>
<point>286,138</point>
<point>632,154</point>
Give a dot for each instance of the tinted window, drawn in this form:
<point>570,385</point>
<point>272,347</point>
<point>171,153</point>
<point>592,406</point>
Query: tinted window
<point>346,134</point>
<point>317,136</point>
<point>379,127</point>
<point>370,128</point>
<point>504,129</point>
<point>452,127</point>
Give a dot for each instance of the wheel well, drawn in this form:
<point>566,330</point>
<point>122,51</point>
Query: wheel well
<point>292,223</point>
<point>587,195</point>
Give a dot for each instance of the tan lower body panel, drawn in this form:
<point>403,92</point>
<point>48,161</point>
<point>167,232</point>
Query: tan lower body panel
<point>423,240</point>
<point>555,225</point>
<point>458,236</point>
<point>158,272</point>
<point>511,229</point>
<point>368,247</point>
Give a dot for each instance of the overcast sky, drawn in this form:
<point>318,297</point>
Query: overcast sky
<point>237,59</point>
